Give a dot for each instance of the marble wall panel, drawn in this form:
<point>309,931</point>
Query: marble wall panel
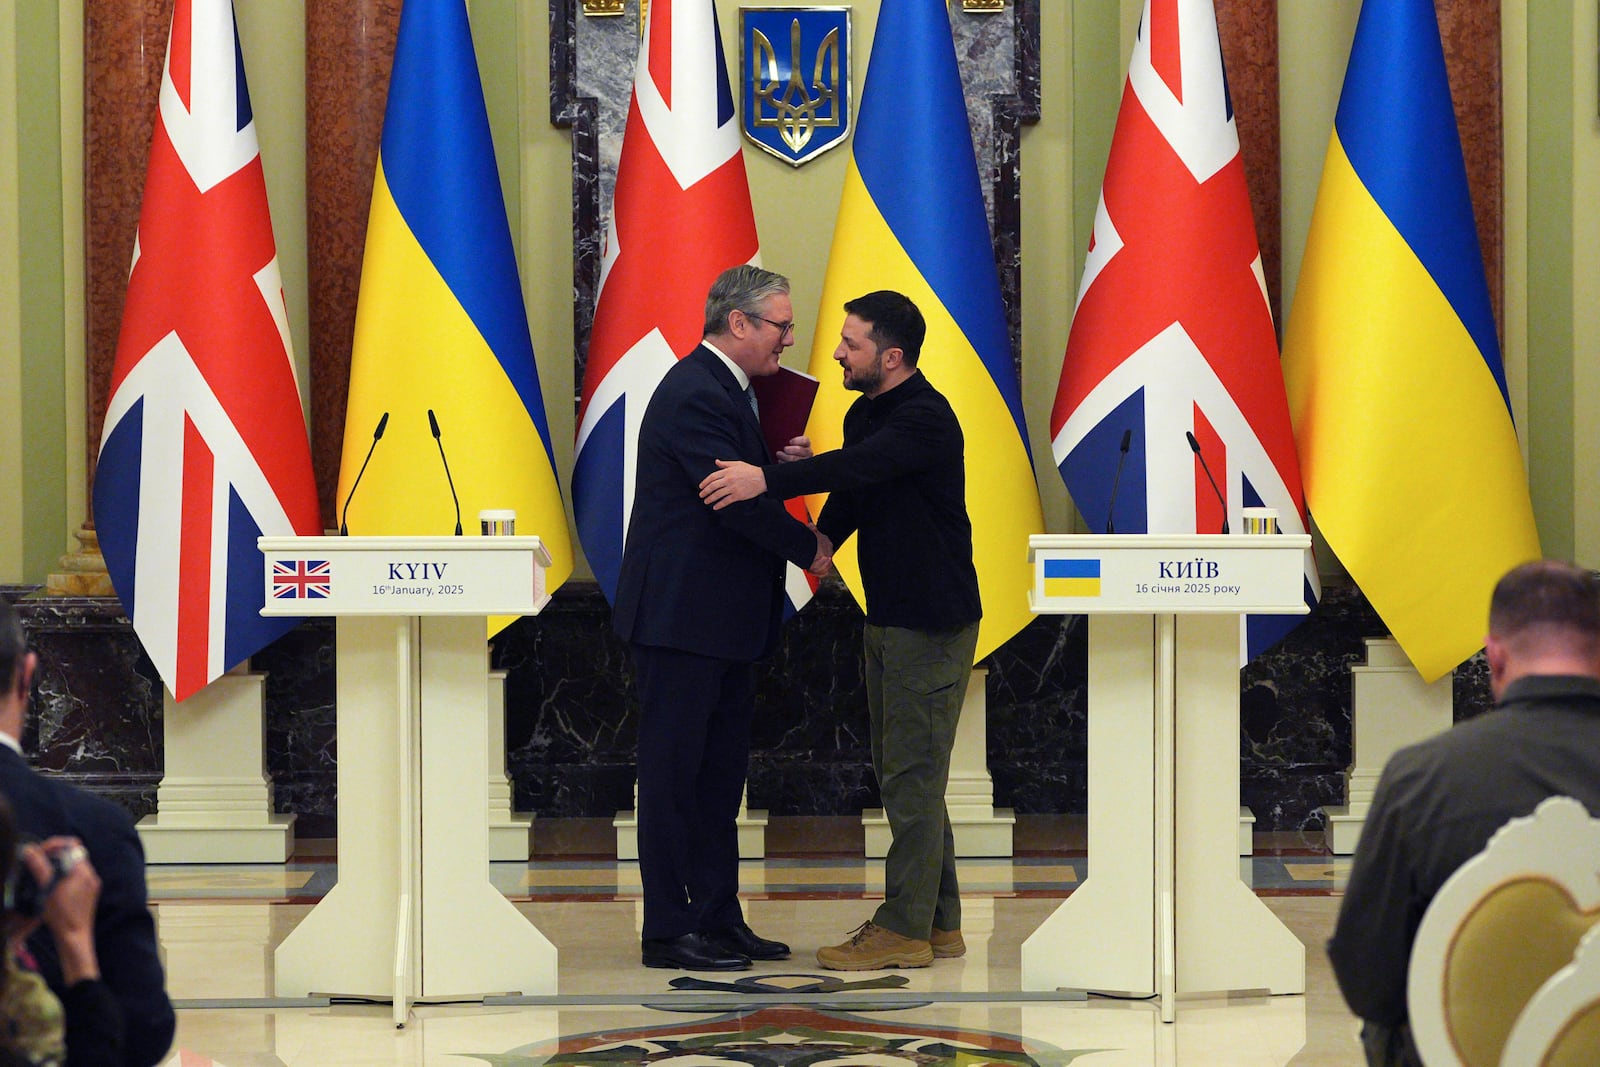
<point>1248,30</point>
<point>349,51</point>
<point>1470,30</point>
<point>124,45</point>
<point>301,754</point>
<point>95,715</point>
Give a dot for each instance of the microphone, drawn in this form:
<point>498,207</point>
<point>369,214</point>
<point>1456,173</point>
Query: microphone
<point>433,424</point>
<point>344,531</point>
<point>1195,447</point>
<point>1116,480</point>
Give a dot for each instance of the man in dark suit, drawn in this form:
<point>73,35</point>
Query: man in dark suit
<point>124,931</point>
<point>699,598</point>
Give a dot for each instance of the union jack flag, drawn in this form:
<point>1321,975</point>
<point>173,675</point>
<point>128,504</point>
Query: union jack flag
<point>680,216</point>
<point>1173,333</point>
<point>302,579</point>
<point>204,445</point>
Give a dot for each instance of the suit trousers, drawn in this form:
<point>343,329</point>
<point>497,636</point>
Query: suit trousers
<point>916,681</point>
<point>694,752</point>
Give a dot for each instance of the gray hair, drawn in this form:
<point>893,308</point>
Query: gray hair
<point>745,288</point>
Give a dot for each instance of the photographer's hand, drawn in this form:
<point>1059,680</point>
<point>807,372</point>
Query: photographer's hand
<point>69,907</point>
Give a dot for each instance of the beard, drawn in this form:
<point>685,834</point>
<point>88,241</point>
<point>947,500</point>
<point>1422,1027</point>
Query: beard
<point>868,380</point>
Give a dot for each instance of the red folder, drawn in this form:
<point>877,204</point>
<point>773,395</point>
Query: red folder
<point>784,400</point>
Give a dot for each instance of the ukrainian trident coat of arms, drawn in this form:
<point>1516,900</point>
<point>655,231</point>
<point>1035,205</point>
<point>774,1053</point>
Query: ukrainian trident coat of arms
<point>795,68</point>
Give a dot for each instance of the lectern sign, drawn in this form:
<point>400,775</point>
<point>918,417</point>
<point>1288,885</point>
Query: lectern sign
<point>1139,573</point>
<point>404,575</point>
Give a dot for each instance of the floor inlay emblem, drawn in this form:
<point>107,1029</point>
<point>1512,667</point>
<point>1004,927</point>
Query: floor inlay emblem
<point>789,1037</point>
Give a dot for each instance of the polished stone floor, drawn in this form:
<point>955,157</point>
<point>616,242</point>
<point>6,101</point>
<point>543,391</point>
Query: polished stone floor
<point>220,924</point>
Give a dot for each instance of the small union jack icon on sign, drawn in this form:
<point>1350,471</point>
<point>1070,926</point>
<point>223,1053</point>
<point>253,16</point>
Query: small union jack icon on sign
<point>302,579</point>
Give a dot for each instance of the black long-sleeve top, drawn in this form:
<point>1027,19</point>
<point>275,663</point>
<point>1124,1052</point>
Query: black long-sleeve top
<point>899,485</point>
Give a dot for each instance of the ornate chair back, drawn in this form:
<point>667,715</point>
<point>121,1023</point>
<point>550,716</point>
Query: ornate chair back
<point>1500,927</point>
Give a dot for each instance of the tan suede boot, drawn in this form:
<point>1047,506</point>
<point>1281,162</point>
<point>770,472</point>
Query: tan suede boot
<point>873,948</point>
<point>947,944</point>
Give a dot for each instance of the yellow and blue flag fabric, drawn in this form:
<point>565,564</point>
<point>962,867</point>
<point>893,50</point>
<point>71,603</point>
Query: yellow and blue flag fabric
<point>1392,364</point>
<point>441,346</point>
<point>911,219</point>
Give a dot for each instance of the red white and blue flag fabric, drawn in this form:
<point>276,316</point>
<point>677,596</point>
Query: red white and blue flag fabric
<point>680,216</point>
<point>204,443</point>
<point>1173,331</point>
<point>302,579</point>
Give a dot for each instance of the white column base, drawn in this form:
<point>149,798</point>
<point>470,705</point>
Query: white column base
<point>510,832</point>
<point>216,951</point>
<point>1343,829</point>
<point>627,826</point>
<point>511,840</point>
<point>978,834</point>
<point>268,842</point>
<point>1390,707</point>
<point>752,830</point>
<point>214,803</point>
<point>1247,831</point>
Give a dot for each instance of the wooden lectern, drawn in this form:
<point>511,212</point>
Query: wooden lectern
<point>413,915</point>
<point>1163,910</point>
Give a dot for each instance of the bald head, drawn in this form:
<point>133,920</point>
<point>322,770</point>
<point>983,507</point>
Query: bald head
<point>1544,618</point>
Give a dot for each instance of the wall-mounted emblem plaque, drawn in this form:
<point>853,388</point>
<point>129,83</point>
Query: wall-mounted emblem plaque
<point>795,71</point>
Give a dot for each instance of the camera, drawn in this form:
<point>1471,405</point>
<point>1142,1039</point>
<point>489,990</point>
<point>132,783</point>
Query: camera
<point>24,896</point>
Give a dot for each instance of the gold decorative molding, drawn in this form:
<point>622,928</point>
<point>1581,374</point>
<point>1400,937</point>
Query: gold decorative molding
<point>989,6</point>
<point>82,573</point>
<point>604,7</point>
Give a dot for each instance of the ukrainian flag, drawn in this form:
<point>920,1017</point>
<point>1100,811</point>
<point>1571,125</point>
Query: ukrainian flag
<point>1071,577</point>
<point>440,321</point>
<point>1410,459</point>
<point>911,218</point>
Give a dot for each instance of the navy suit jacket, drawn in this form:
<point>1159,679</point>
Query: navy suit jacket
<point>694,579</point>
<point>124,930</point>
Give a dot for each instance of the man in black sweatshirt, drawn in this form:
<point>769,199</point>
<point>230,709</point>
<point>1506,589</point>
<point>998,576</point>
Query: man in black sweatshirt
<point>899,486</point>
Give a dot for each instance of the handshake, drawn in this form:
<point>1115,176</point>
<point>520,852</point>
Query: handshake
<point>824,560</point>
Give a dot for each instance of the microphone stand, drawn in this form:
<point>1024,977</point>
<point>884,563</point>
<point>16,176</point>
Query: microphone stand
<point>433,424</point>
<point>1116,480</point>
<point>344,512</point>
<point>1195,446</point>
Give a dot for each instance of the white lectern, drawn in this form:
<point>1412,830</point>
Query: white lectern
<point>1163,910</point>
<point>413,915</point>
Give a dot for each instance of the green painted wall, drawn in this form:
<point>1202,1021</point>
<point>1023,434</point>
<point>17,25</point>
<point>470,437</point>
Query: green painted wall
<point>1549,426</point>
<point>42,327</point>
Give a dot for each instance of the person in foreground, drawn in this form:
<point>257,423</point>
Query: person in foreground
<point>699,599</point>
<point>124,930</point>
<point>1438,802</point>
<point>54,883</point>
<point>899,484</point>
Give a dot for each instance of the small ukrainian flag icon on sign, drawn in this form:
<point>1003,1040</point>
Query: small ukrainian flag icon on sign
<point>1071,577</point>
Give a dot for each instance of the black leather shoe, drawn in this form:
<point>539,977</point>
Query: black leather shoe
<point>744,941</point>
<point>691,952</point>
